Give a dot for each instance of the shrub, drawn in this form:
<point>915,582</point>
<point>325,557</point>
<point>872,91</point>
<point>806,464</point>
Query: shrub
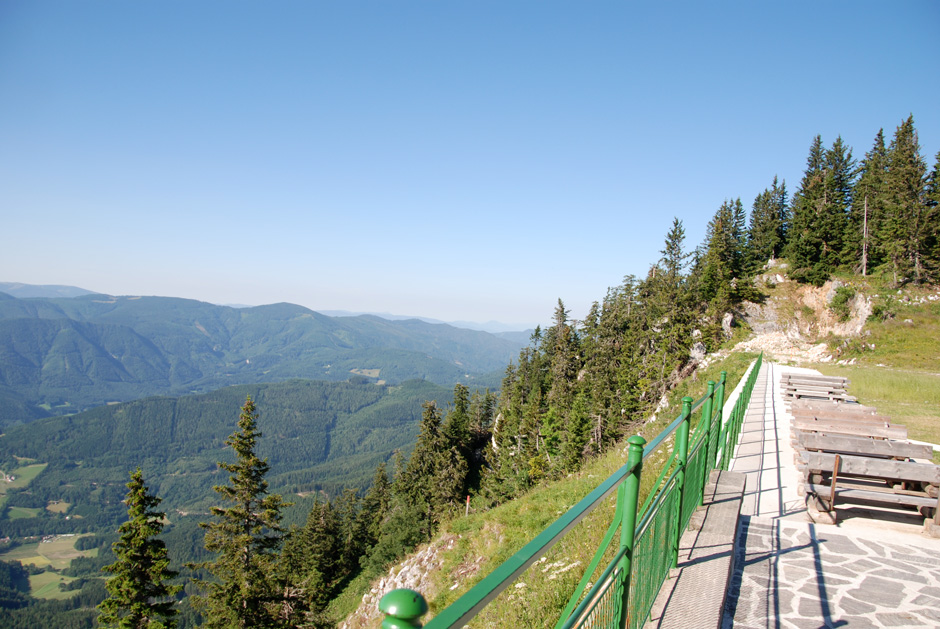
<point>840,303</point>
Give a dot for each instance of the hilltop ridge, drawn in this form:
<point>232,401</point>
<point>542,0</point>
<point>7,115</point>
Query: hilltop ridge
<point>64,355</point>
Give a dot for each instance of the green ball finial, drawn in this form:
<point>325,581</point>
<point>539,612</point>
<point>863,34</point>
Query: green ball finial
<point>403,605</point>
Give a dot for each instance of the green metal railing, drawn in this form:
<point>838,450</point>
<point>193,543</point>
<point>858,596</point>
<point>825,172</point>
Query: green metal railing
<point>648,547</point>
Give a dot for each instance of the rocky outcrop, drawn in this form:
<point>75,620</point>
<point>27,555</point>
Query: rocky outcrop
<point>789,326</point>
<point>413,573</point>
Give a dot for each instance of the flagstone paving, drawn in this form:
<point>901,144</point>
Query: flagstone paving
<point>873,569</point>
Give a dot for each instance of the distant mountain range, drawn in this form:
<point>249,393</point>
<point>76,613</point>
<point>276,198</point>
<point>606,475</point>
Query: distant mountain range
<point>63,355</point>
<point>493,327</point>
<point>510,330</point>
<point>24,291</point>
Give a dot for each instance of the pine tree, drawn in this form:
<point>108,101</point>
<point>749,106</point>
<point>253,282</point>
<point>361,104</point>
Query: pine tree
<point>375,507</point>
<point>246,537</point>
<point>457,425</point>
<point>904,232</point>
<point>867,211</point>
<point>932,219</point>
<point>766,232</point>
<point>722,255</point>
<point>820,212</point>
<point>140,596</point>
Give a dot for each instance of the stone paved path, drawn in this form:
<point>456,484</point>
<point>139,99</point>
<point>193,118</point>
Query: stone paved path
<point>871,570</point>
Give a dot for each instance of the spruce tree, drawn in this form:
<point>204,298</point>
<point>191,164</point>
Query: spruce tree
<point>840,177</point>
<point>576,435</point>
<point>932,205</point>
<point>867,210</point>
<point>351,538</point>
<point>820,212</point>
<point>805,241</point>
<point>246,536</point>
<point>767,230</point>
<point>457,425</point>
<point>140,596</point>
<point>904,232</point>
<point>564,362</point>
<point>312,558</point>
<point>722,252</point>
<point>375,507</point>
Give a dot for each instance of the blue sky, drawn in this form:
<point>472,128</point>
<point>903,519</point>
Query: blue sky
<point>463,160</point>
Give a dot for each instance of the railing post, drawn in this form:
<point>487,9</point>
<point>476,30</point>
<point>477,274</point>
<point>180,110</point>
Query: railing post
<point>709,427</point>
<point>682,458</point>
<point>720,401</point>
<point>631,496</point>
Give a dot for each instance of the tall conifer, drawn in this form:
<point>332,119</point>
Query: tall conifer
<point>867,210</point>
<point>905,228</point>
<point>767,229</point>
<point>140,597</point>
<point>820,207</point>
<point>246,536</point>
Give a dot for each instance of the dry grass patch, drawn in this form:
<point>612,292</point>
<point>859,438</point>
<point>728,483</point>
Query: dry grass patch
<point>46,585</point>
<point>57,553</point>
<point>369,373</point>
<point>58,506</point>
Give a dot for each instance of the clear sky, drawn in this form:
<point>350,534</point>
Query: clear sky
<point>470,160</point>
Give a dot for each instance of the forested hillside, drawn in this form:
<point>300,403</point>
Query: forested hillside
<point>61,356</point>
<point>319,435</point>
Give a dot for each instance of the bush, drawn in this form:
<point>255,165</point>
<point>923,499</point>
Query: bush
<point>883,312</point>
<point>840,303</point>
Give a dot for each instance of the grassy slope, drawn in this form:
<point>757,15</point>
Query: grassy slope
<point>484,540</point>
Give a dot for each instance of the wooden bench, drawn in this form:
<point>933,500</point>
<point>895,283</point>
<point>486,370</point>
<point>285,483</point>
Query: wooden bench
<point>822,406</point>
<point>800,386</point>
<point>790,378</point>
<point>854,427</point>
<point>861,460</point>
<point>847,444</point>
<point>833,410</point>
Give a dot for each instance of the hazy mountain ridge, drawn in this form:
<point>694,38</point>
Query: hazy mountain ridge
<point>74,353</point>
<point>18,289</point>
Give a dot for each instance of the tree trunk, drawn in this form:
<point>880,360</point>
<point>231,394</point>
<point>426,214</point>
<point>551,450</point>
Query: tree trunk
<point>865,240</point>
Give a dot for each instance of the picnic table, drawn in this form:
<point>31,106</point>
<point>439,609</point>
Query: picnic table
<point>850,452</point>
<point>833,388</point>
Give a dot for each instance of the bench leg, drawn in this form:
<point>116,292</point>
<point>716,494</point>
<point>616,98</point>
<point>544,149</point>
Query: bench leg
<point>817,511</point>
<point>932,525</point>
